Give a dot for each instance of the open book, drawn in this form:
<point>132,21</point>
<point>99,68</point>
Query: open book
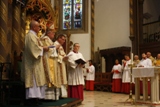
<point>80,61</point>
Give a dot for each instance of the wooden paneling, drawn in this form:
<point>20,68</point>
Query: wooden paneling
<point>112,54</point>
<point>154,48</point>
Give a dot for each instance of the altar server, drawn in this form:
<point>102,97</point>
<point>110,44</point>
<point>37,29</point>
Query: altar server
<point>75,73</point>
<point>117,77</point>
<point>90,76</point>
<point>126,77</point>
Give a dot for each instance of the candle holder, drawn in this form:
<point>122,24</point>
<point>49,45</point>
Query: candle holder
<point>130,99</point>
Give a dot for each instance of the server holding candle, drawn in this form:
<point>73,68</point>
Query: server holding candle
<point>126,77</point>
<point>117,77</point>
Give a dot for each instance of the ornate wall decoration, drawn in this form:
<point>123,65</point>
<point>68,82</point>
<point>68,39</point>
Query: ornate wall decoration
<point>41,11</point>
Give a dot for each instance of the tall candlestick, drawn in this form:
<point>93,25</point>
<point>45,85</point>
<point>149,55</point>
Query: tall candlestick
<point>131,58</point>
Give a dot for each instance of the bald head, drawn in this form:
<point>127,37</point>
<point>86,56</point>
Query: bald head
<point>34,25</point>
<point>136,57</point>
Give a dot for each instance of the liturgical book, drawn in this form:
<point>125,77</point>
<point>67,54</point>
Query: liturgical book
<point>80,61</point>
<point>51,46</point>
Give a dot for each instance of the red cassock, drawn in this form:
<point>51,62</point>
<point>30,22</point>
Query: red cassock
<point>116,85</point>
<point>126,79</point>
<point>73,90</point>
<point>126,88</point>
<point>90,85</point>
<point>117,78</point>
<point>90,78</point>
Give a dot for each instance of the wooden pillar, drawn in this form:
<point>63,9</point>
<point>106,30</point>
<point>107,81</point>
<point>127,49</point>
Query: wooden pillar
<point>23,33</point>
<point>3,30</point>
<point>136,22</point>
<point>10,15</point>
<point>92,29</point>
<point>16,31</point>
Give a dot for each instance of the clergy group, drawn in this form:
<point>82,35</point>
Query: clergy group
<point>44,67</point>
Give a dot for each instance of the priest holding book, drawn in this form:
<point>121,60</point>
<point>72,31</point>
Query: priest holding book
<point>75,73</point>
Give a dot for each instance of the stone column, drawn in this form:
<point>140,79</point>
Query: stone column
<point>3,30</point>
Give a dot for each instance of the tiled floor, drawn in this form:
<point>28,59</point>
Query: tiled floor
<point>108,99</point>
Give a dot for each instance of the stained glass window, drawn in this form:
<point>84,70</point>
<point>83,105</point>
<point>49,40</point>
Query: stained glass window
<point>72,14</point>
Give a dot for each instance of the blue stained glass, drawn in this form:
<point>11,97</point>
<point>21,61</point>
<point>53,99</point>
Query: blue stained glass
<point>67,12</point>
<point>78,13</point>
<point>74,15</point>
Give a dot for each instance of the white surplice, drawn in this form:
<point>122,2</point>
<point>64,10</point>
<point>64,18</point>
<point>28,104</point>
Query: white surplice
<point>91,74</point>
<point>117,75</point>
<point>126,77</point>
<point>75,73</point>
<point>145,62</point>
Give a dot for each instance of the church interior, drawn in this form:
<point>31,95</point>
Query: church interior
<point>105,29</point>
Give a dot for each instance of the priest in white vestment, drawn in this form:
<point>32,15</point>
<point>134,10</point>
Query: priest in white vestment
<point>149,56</point>
<point>75,74</point>
<point>61,66</point>
<point>34,75</point>
<point>145,62</point>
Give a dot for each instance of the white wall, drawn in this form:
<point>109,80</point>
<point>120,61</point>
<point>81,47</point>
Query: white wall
<point>111,23</point>
<point>111,26</point>
<point>84,39</point>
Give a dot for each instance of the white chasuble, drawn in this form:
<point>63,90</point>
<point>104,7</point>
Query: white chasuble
<point>61,67</point>
<point>32,61</point>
